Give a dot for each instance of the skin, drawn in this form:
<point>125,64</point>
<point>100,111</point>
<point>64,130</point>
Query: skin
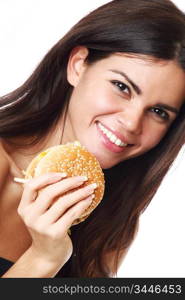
<point>46,245</point>
<point>97,99</point>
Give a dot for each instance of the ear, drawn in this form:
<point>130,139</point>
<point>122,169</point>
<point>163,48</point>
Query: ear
<point>76,64</point>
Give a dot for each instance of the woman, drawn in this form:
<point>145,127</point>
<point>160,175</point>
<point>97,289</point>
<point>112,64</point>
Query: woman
<point>115,82</point>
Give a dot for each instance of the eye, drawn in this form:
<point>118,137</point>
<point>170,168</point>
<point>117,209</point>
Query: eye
<point>161,113</point>
<point>121,86</point>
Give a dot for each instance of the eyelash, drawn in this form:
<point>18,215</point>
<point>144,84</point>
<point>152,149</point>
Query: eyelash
<point>159,112</point>
<point>118,84</point>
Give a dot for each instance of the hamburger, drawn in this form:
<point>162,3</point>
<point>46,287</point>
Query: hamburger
<point>74,160</point>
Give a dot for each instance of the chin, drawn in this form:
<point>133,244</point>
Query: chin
<point>106,164</point>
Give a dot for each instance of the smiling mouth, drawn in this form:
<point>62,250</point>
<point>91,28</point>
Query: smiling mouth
<point>112,137</point>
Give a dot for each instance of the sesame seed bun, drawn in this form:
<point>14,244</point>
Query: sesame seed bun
<point>75,160</point>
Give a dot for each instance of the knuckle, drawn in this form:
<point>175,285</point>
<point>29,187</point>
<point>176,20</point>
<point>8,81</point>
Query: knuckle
<point>53,234</point>
<point>39,227</point>
<point>62,202</point>
<point>47,194</point>
<point>81,193</point>
<point>72,213</point>
<point>29,219</point>
<point>20,211</point>
<point>28,222</point>
<point>48,191</point>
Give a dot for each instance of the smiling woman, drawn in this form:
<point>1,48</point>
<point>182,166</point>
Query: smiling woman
<point>114,82</point>
<point>127,114</point>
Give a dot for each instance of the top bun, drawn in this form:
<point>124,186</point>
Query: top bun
<point>75,160</point>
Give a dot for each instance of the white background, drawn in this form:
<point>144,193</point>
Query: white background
<point>28,29</point>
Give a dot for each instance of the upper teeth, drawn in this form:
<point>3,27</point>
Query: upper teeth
<point>111,136</point>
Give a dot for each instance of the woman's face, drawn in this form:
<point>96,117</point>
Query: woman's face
<point>121,106</point>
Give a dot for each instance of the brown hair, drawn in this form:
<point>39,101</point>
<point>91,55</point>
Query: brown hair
<point>155,28</point>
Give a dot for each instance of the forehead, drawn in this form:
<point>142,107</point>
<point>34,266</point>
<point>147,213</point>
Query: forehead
<point>143,62</point>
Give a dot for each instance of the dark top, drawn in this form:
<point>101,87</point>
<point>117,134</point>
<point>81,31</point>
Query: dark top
<point>5,264</point>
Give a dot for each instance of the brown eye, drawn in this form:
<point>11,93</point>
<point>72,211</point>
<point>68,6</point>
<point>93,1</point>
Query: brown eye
<point>121,86</point>
<point>161,113</point>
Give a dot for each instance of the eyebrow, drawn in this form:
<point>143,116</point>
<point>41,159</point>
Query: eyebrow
<point>167,107</point>
<point>139,92</point>
<point>135,87</point>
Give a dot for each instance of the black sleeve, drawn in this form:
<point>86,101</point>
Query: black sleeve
<point>4,265</point>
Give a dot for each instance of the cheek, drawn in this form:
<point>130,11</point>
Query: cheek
<point>153,135</point>
<point>92,100</point>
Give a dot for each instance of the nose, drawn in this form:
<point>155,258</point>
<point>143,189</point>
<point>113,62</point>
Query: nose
<point>132,120</point>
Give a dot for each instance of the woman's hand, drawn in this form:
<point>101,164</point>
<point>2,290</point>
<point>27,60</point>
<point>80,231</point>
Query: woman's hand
<point>48,213</point>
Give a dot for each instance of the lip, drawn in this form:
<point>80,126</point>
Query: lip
<point>117,134</point>
<point>107,143</point>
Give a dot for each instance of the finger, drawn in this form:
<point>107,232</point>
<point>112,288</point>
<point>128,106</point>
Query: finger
<point>46,198</point>
<point>66,201</point>
<point>64,223</point>
<point>32,186</point>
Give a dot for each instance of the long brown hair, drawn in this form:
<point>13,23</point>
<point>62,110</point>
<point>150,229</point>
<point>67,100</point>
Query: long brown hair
<point>155,28</point>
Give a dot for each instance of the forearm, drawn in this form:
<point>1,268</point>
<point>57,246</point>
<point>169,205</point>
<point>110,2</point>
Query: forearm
<point>30,266</point>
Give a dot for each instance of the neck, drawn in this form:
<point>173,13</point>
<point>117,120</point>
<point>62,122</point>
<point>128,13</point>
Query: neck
<point>20,156</point>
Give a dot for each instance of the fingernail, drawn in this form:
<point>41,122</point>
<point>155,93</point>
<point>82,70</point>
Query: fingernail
<point>92,186</point>
<point>83,178</point>
<point>59,175</point>
<point>64,174</point>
